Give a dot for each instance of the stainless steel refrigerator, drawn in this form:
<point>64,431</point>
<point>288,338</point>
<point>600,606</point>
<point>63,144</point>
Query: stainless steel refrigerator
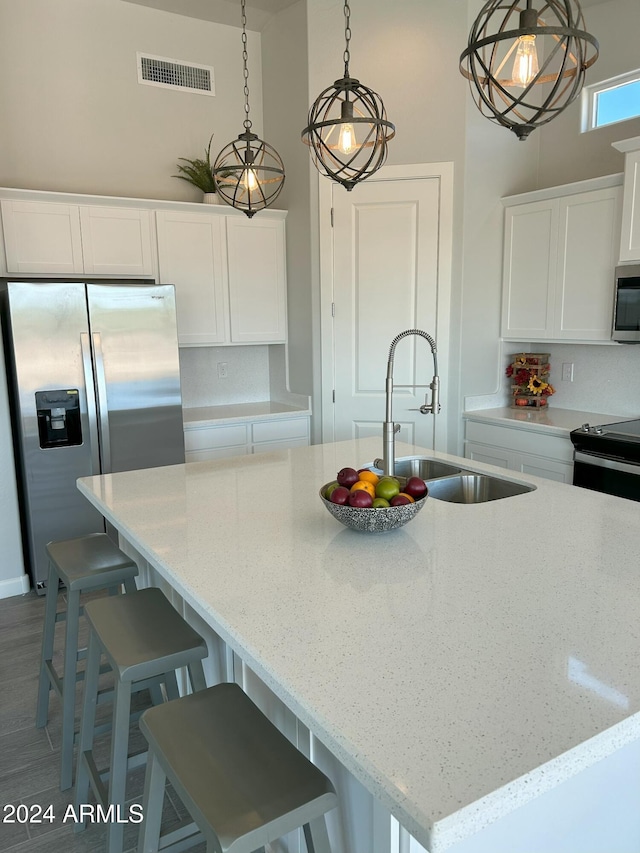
<point>94,387</point>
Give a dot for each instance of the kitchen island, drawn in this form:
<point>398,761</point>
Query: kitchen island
<point>475,671</point>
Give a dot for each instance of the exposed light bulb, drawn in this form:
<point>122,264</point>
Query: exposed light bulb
<point>250,180</point>
<point>347,141</point>
<point>525,66</point>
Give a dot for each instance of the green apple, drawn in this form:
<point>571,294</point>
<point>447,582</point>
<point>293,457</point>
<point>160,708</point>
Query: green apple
<point>387,488</point>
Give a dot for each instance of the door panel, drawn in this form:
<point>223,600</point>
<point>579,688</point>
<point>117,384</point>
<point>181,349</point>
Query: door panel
<point>47,321</point>
<point>136,362</point>
<point>385,269</point>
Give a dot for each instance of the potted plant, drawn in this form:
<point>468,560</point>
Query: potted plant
<point>199,173</point>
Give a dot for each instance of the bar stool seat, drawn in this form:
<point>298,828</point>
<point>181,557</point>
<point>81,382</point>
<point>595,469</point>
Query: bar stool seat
<point>142,637</point>
<point>243,783</point>
<point>84,564</point>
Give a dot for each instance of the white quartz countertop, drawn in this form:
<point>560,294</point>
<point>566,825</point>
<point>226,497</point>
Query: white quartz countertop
<point>232,413</point>
<point>459,667</point>
<point>548,420</point>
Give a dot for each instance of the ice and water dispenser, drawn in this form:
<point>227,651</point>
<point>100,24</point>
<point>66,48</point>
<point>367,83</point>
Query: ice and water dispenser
<point>58,418</point>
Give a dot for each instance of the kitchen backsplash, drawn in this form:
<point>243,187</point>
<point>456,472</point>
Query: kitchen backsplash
<point>247,379</point>
<point>605,378</point>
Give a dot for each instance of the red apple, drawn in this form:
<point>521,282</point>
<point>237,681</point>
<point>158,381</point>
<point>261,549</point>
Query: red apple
<point>416,487</point>
<point>399,500</point>
<point>360,498</point>
<point>340,495</point>
<point>347,477</point>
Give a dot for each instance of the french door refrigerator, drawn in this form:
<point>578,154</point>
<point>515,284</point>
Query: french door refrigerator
<point>94,385</point>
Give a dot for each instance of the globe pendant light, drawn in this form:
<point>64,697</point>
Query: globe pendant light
<point>348,131</point>
<point>248,172</point>
<point>525,65</point>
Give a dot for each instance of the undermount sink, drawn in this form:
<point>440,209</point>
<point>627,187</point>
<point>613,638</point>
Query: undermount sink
<point>453,484</point>
<point>420,466</point>
<point>471,488</point>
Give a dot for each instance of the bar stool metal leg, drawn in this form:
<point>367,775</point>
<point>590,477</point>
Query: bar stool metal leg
<point>89,704</point>
<point>316,836</point>
<point>118,765</point>
<point>48,637</point>
<point>154,782</point>
<point>69,688</point>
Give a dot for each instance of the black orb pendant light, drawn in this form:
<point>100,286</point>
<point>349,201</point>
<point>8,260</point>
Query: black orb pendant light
<point>347,131</point>
<point>248,172</point>
<point>526,64</point>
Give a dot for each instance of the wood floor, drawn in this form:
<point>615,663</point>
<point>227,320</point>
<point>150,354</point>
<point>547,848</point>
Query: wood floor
<point>29,757</point>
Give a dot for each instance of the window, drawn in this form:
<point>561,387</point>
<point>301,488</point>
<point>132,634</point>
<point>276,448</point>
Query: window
<point>611,101</point>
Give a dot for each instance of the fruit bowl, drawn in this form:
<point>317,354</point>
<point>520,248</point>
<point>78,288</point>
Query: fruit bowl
<point>369,520</point>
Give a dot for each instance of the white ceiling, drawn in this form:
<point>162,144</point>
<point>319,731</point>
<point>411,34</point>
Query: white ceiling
<point>221,11</point>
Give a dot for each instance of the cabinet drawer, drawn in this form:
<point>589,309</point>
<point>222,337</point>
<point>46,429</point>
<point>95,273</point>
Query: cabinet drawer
<point>522,440</point>
<point>201,438</point>
<point>215,453</point>
<point>278,430</point>
<point>287,444</point>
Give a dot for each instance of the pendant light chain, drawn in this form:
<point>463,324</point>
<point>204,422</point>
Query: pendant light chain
<point>347,37</point>
<point>245,70</point>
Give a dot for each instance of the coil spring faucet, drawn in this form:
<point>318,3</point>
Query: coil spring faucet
<point>389,429</point>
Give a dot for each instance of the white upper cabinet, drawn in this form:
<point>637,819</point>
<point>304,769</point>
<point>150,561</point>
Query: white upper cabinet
<point>51,238</point>
<point>257,282</point>
<point>630,238</point>
<point>116,241</point>
<point>229,274</point>
<point>42,238</point>
<point>192,256</point>
<point>559,256</point>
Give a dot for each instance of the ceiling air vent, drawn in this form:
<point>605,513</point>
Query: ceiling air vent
<point>173,74</point>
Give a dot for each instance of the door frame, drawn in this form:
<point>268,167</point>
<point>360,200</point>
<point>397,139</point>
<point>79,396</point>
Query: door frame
<point>444,171</point>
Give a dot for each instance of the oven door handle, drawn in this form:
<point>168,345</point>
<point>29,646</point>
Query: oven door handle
<point>601,462</point>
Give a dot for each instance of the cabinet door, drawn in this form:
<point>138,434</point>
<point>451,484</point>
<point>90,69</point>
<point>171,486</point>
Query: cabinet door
<point>41,237</point>
<point>191,256</point>
<point>489,455</point>
<point>630,239</point>
<point>588,245</point>
<point>257,283</point>
<point>116,241</point>
<point>530,257</point>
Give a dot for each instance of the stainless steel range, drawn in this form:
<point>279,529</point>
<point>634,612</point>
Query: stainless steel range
<point>607,458</point>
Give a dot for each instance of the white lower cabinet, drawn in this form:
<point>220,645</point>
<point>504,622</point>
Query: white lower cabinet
<point>207,441</point>
<point>520,449</point>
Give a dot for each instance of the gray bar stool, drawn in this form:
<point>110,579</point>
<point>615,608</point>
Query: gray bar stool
<point>243,783</point>
<point>142,637</point>
<point>88,563</point>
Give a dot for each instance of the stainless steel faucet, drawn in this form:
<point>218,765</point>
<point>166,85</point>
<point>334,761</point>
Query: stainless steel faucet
<point>389,429</point>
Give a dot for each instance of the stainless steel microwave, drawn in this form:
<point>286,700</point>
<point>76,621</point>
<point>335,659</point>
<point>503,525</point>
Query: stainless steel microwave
<point>626,310</point>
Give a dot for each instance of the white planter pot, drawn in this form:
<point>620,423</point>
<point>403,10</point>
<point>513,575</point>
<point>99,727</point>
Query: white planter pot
<point>211,198</point>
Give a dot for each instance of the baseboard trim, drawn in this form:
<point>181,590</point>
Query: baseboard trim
<point>14,586</point>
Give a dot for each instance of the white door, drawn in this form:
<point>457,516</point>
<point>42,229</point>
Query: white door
<point>116,241</point>
<point>390,271</point>
<point>192,256</point>
<point>257,280</point>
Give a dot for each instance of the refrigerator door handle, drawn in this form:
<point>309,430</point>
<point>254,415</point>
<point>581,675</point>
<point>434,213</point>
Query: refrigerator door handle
<point>85,348</point>
<point>103,409</point>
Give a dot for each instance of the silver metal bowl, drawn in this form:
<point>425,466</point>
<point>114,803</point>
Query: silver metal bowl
<point>369,520</point>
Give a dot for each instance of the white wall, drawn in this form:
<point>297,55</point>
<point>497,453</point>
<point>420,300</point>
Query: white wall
<point>75,118</point>
<point>568,155</point>
<point>285,82</point>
